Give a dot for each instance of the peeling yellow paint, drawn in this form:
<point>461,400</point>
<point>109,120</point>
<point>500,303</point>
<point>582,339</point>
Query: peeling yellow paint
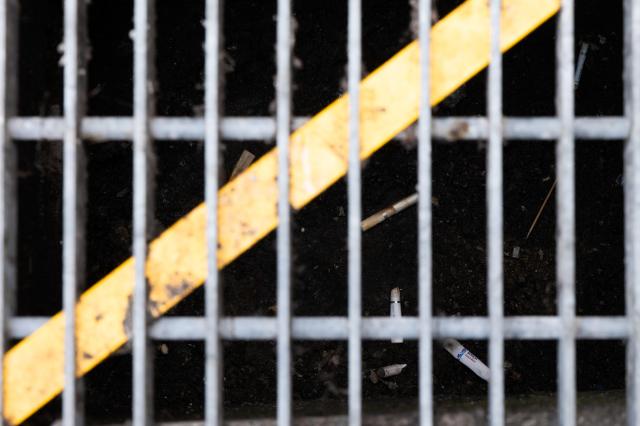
<point>247,207</point>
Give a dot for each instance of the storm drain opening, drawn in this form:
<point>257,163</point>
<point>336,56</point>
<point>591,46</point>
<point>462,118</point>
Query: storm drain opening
<point>476,265</point>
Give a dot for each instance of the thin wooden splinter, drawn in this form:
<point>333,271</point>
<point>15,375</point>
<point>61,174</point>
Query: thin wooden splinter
<point>544,203</point>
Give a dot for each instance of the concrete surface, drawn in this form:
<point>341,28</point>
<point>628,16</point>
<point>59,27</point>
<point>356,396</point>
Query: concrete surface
<point>594,409</point>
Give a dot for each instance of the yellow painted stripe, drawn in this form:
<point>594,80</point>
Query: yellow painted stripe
<point>177,258</point>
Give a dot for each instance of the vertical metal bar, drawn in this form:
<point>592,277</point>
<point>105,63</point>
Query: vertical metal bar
<point>632,203</point>
<point>143,190</point>
<point>425,272</point>
<point>74,199</point>
<point>213,291</point>
<point>8,217</point>
<point>494,223</point>
<point>283,127</point>
<point>565,196</point>
<point>355,213</point>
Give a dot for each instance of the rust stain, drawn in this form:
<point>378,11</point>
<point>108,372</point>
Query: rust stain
<point>459,131</point>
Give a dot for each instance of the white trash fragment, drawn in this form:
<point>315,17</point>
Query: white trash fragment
<point>582,57</point>
<point>385,372</point>
<point>516,252</point>
<point>391,385</point>
<point>395,309</point>
<point>463,355</point>
<point>390,370</point>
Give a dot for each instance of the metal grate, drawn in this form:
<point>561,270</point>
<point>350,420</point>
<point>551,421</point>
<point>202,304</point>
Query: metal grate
<point>143,127</point>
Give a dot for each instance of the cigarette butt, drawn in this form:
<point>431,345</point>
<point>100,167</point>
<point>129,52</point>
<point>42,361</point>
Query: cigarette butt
<point>463,355</point>
<point>395,309</point>
<point>405,202</point>
<point>390,370</point>
<point>376,218</point>
<point>387,212</point>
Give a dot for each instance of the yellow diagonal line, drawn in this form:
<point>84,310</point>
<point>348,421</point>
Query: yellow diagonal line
<point>247,208</point>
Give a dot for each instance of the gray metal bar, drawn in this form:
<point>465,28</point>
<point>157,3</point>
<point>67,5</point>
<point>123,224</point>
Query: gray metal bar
<point>379,328</point>
<point>494,222</point>
<point>283,128</point>
<point>74,200</point>
<point>8,199</point>
<point>143,190</point>
<point>21,327</point>
<point>632,203</point>
<point>354,188</point>
<point>565,196</point>
<point>530,128</point>
<point>330,328</point>
<point>444,129</point>
<point>425,271</point>
<point>213,398</point>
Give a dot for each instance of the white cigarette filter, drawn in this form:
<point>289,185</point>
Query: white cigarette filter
<point>395,309</point>
<point>463,355</point>
<point>405,202</point>
<point>390,370</point>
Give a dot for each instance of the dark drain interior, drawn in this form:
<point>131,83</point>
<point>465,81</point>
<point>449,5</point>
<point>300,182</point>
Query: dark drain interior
<point>320,253</point>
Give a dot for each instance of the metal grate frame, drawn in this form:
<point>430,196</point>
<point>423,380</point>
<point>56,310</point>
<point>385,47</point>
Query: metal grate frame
<point>144,127</point>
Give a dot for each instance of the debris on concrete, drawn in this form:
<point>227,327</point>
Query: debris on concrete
<point>373,377</point>
<point>390,385</point>
<point>515,253</point>
<point>395,309</point>
<point>595,408</point>
<point>463,355</point>
<point>331,359</point>
<point>164,348</point>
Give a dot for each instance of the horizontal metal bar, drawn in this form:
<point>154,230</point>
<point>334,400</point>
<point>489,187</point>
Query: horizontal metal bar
<point>374,328</point>
<point>263,128</point>
<point>384,328</point>
<point>163,128</point>
<point>21,327</point>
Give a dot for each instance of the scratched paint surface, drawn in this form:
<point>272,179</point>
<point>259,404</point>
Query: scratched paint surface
<point>247,208</point>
